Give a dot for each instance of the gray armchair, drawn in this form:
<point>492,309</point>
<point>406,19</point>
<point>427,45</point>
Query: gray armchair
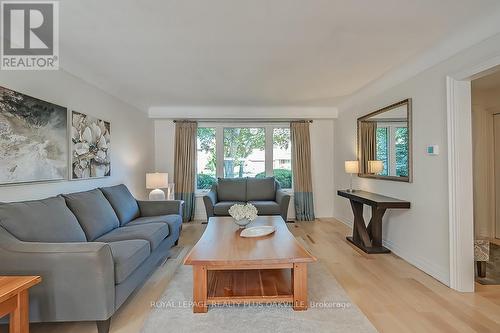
<point>264,193</point>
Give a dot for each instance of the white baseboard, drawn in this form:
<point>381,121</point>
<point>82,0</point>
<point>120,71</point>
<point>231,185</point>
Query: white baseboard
<point>346,221</point>
<point>419,262</point>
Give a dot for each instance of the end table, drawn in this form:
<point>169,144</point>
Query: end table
<point>14,300</point>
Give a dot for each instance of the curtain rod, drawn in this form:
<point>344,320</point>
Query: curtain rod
<point>243,120</point>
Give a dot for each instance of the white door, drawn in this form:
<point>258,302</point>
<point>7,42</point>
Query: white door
<point>496,120</point>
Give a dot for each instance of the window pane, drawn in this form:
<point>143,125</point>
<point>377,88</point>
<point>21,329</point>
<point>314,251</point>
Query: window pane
<point>282,157</point>
<point>382,149</point>
<point>206,163</point>
<point>402,150</point>
<point>244,152</point>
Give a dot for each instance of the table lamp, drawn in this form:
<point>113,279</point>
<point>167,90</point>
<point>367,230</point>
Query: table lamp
<point>351,167</point>
<point>375,167</point>
<point>156,181</point>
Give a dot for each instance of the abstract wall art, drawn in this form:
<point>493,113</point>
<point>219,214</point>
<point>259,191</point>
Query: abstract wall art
<point>90,147</point>
<point>33,139</point>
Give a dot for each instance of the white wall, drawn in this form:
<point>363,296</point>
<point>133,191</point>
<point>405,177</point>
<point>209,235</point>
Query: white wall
<point>419,235</point>
<point>322,163</point>
<point>131,132</point>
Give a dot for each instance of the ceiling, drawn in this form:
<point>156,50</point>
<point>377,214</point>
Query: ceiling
<point>248,52</point>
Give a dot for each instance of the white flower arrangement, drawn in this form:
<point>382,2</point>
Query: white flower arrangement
<point>240,212</point>
<point>91,143</point>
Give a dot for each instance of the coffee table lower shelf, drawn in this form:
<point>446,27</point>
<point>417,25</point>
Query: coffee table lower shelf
<point>249,286</point>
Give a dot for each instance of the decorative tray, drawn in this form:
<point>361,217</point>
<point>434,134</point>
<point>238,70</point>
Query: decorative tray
<point>257,231</point>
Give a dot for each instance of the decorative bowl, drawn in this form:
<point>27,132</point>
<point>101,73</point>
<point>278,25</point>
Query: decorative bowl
<point>242,222</point>
<point>243,214</point>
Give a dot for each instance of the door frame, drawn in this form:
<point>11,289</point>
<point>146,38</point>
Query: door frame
<point>460,179</point>
<point>496,118</point>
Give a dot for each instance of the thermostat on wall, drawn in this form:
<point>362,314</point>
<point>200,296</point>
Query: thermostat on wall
<point>433,150</point>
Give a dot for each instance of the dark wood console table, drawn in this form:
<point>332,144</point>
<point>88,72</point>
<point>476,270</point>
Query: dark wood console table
<point>369,238</point>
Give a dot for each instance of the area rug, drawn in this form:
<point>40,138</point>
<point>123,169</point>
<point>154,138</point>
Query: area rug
<point>330,310</point>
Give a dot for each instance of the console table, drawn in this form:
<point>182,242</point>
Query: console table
<point>369,238</point>
<point>14,300</point>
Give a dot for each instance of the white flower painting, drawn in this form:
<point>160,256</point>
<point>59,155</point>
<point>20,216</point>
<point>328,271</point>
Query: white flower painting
<point>33,139</point>
<point>90,153</point>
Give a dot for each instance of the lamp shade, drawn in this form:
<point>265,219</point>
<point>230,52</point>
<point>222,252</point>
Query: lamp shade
<point>351,166</point>
<point>156,180</point>
<point>375,166</point>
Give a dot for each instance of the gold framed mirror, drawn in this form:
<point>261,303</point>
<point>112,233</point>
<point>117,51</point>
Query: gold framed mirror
<point>385,143</point>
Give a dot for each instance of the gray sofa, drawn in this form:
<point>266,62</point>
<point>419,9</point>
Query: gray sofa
<point>264,193</point>
<point>92,249</point>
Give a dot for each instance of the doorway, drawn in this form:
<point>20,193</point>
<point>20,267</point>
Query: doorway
<point>460,172</point>
<point>485,100</point>
<point>496,124</point>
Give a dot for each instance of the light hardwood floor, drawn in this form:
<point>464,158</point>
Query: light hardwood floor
<point>395,296</point>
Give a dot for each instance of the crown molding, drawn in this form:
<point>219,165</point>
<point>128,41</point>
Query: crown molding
<point>242,112</point>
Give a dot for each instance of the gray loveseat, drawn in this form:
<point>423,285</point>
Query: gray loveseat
<point>264,193</point>
<point>92,249</point>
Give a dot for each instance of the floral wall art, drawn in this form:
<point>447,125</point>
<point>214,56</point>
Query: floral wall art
<point>90,151</point>
<point>33,139</point>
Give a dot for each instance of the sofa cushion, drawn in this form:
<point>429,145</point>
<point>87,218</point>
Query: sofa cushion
<point>267,207</point>
<point>127,256</point>
<point>174,222</point>
<point>47,220</point>
<point>156,219</point>
<point>93,211</point>
<point>122,201</point>
<point>154,233</point>
<point>261,189</point>
<point>222,208</point>
<point>231,189</point>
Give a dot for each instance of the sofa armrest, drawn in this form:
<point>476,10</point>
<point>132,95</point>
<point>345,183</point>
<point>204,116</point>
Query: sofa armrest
<point>283,199</point>
<point>210,199</point>
<point>78,281</point>
<point>156,208</point>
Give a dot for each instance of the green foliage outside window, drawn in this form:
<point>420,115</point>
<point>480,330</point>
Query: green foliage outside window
<point>206,144</point>
<point>283,177</point>
<point>205,181</point>
<point>383,148</point>
<point>239,143</point>
<point>402,151</point>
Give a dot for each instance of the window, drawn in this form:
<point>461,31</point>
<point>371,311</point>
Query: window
<point>243,150</point>
<point>282,157</point>
<point>401,151</point>
<point>205,166</point>
<point>383,148</point>
<point>392,148</point>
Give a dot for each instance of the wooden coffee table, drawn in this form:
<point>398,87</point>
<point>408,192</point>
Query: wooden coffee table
<point>14,300</point>
<point>229,269</point>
